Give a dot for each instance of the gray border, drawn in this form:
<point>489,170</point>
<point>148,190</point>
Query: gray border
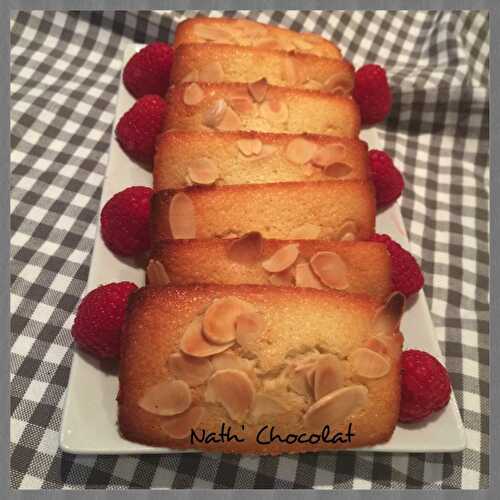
<point>492,5</point>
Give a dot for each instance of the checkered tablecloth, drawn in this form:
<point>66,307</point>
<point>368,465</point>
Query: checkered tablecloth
<point>65,75</point>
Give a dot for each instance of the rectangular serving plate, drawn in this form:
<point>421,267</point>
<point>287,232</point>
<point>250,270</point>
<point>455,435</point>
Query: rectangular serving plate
<point>89,423</point>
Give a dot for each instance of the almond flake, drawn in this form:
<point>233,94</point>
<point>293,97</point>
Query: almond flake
<point>330,269</point>
<point>194,343</point>
<point>282,259</point>
<point>230,121</point>
<point>156,273</point>
<point>249,147</point>
<point>182,217</point>
<point>194,371</point>
<point>337,170</point>
<point>249,327</point>
<point>258,90</point>
<point>266,151</point>
<point>166,398</point>
<point>388,317</point>
<point>328,376</point>
<point>304,277</point>
<point>215,113</point>
<point>203,171</point>
<point>180,426</point>
<point>242,104</point>
<point>211,72</point>
<point>192,76</point>
<point>336,407</point>
<point>193,94</point>
<point>283,278</point>
<point>369,364</point>
<point>300,151</point>
<point>348,231</point>
<point>274,111</point>
<point>338,85</point>
<point>228,360</point>
<point>331,153</point>
<point>247,249</point>
<point>268,405</point>
<point>234,390</point>
<point>220,319</point>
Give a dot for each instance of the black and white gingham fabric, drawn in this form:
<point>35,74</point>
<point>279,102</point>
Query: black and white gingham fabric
<point>65,75</point>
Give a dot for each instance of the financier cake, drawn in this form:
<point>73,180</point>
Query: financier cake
<point>231,63</point>
<point>261,107</point>
<point>277,211</point>
<point>318,369</point>
<point>354,267</point>
<point>248,33</point>
<point>185,158</point>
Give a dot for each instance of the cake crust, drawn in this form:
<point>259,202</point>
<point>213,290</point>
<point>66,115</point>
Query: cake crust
<point>177,151</point>
<point>260,107</point>
<point>246,32</point>
<point>295,319</point>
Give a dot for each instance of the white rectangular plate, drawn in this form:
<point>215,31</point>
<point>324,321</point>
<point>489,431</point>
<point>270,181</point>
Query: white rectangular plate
<point>90,412</point>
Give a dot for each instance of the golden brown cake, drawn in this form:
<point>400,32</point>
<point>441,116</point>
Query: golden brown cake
<point>244,32</point>
<point>356,267</point>
<point>232,63</point>
<point>277,211</point>
<point>184,158</point>
<point>200,364</point>
<point>260,107</point>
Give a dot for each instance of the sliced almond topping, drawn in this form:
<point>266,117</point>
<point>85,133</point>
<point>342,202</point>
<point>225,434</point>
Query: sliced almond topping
<point>192,76</point>
<point>388,317</point>
<point>329,154</point>
<point>215,113</point>
<point>156,273</point>
<point>289,75</point>
<point>267,150</point>
<point>338,85</point>
<point>243,104</point>
<point>211,33</point>
<point>348,231</point>
<point>249,147</point>
<point>182,217</point>
<point>304,277</point>
<point>166,398</point>
<point>267,42</point>
<point>338,170</point>
<point>219,322</point>
<point>212,72</point>
<point>228,360</point>
<point>330,269</point>
<point>234,390</point>
<point>194,343</point>
<point>284,278</point>
<point>306,232</point>
<point>328,376</point>
<point>193,94</point>
<point>203,171</point>
<point>266,404</point>
<point>336,406</point>
<point>313,85</point>
<point>180,426</point>
<point>282,259</point>
<point>249,327</point>
<point>274,111</point>
<point>300,151</point>
<point>302,44</point>
<point>247,249</point>
<point>298,383</point>
<point>369,364</point>
<point>230,120</point>
<point>194,371</point>
<point>258,89</point>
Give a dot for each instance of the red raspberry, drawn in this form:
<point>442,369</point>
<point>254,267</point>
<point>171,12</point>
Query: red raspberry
<point>125,221</point>
<point>99,319</point>
<point>388,181</point>
<point>425,386</point>
<point>407,277</point>
<point>372,93</point>
<point>148,71</point>
<point>139,127</point>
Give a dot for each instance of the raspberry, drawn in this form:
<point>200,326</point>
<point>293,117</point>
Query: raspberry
<point>425,386</point>
<point>406,275</point>
<point>99,319</point>
<point>148,71</point>
<point>125,221</point>
<point>388,181</point>
<point>372,93</point>
<point>139,127</point>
